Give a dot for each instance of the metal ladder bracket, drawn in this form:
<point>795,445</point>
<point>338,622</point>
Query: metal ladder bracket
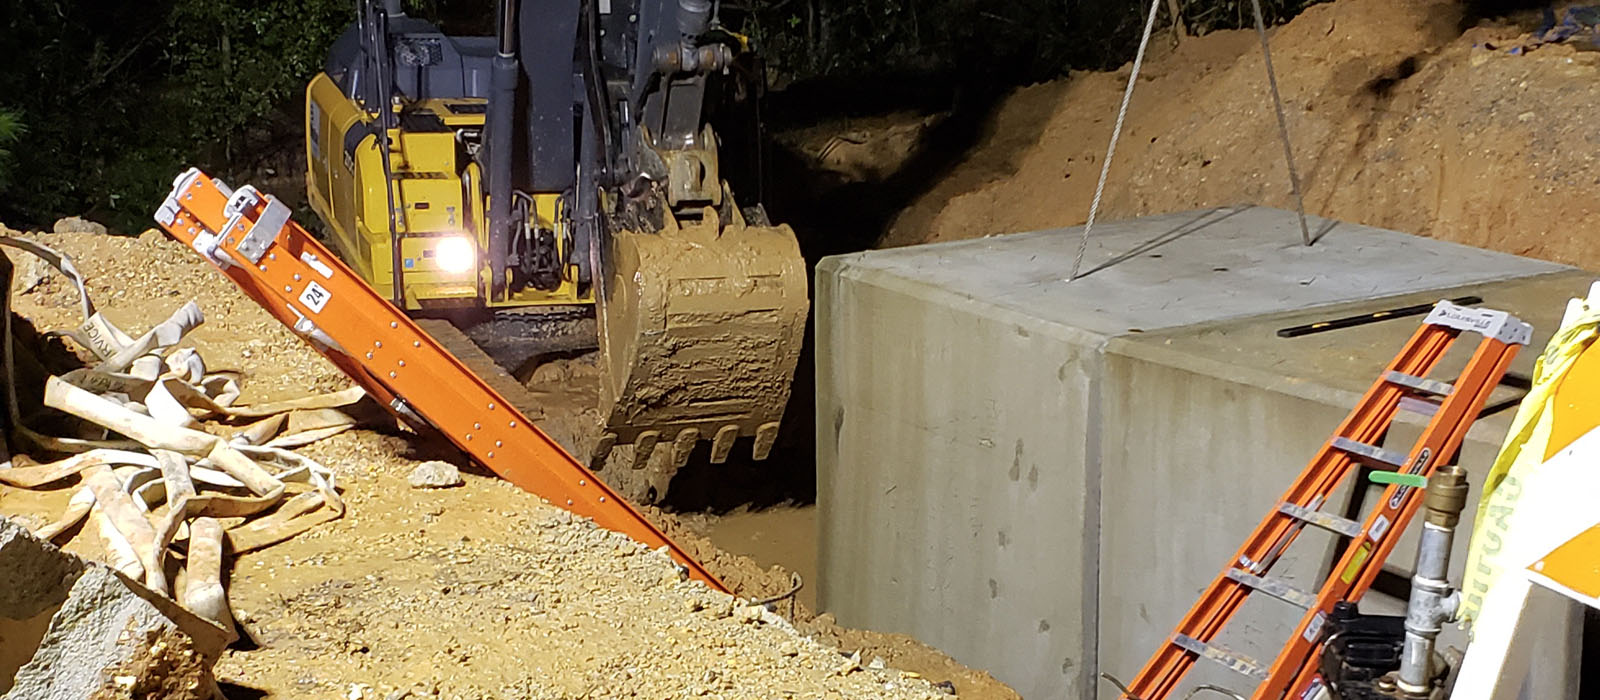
<point>1497,325</point>
<point>1421,407</point>
<point>1276,588</point>
<point>1420,384</point>
<point>1332,523</point>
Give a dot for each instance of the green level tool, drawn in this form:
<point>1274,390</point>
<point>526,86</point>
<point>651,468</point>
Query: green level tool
<point>1400,478</point>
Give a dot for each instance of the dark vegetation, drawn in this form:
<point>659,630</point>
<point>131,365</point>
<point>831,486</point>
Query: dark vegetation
<point>103,102</point>
<point>1013,42</point>
<point>114,98</point>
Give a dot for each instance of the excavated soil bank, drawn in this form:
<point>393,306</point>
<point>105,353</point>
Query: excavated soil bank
<point>1399,119</point>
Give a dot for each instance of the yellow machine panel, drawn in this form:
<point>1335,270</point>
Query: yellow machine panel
<point>438,198</point>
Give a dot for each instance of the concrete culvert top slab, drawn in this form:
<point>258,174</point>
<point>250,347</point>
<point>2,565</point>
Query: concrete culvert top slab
<point>1179,269</point>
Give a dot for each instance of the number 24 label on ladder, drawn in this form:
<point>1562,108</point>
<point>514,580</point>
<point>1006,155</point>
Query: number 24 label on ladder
<point>315,297</point>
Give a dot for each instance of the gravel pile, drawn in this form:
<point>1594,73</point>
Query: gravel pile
<point>566,611</point>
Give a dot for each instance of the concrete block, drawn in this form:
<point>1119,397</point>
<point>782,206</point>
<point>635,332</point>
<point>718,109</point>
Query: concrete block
<point>34,581</point>
<point>952,516</point>
<point>73,630</point>
<point>1039,476</point>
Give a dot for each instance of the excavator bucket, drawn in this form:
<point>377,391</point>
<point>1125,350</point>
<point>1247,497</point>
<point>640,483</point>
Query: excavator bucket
<point>700,327</point>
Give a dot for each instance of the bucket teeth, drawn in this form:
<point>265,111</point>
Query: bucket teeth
<point>683,446</point>
<point>722,444</point>
<point>643,447</point>
<point>602,450</point>
<point>701,329</point>
<point>765,436</point>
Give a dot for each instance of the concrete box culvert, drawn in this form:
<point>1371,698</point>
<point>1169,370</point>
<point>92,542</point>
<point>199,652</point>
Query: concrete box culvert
<point>74,630</point>
<point>1039,476</point>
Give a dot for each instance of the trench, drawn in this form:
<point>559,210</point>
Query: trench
<point>767,510</point>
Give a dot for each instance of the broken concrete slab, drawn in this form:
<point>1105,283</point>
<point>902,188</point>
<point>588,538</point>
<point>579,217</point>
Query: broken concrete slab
<point>34,582</point>
<point>107,642</point>
<point>981,434</point>
<point>81,630</point>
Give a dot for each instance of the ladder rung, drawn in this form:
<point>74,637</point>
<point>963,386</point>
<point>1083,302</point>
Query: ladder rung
<point>1275,588</point>
<point>1411,381</point>
<point>1421,407</point>
<point>1332,523</point>
<point>1371,452</point>
<point>1238,663</point>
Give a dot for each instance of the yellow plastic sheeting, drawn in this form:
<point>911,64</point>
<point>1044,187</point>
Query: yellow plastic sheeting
<point>1529,442</point>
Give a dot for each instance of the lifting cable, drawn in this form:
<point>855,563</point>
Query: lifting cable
<point>1122,113</point>
<point>1283,124</point>
<point>1116,132</point>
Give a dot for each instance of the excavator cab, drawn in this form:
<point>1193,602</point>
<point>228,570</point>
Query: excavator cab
<point>555,188</point>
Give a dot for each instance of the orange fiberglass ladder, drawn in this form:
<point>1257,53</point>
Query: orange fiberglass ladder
<point>251,239</point>
<point>1454,407</point>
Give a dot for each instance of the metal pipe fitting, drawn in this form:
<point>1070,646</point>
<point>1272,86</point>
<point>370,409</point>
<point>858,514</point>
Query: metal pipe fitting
<point>1433,602</point>
<point>676,58</point>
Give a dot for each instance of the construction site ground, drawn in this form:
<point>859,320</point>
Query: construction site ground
<point>480,591</point>
<point>1404,114</point>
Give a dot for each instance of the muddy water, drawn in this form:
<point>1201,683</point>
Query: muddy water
<point>783,535</point>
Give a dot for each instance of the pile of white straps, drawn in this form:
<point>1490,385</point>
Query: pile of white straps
<point>150,475</point>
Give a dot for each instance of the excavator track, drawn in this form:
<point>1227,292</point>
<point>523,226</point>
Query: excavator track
<point>481,364</point>
<point>512,337</point>
<point>575,431</point>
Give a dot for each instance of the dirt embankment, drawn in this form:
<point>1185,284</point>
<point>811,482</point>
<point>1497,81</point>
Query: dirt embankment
<point>1399,119</point>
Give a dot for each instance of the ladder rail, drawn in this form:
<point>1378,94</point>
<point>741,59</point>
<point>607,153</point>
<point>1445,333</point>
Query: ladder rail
<point>1371,541</point>
<point>279,265</point>
<point>1296,666</point>
<point>1320,477</point>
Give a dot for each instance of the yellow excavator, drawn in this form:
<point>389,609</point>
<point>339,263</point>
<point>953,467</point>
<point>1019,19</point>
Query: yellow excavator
<point>556,188</point>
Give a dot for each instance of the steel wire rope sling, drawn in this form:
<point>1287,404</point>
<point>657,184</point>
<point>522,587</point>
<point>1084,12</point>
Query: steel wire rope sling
<point>1122,114</point>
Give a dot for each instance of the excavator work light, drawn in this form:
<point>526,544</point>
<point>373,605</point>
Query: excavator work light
<point>455,255</point>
